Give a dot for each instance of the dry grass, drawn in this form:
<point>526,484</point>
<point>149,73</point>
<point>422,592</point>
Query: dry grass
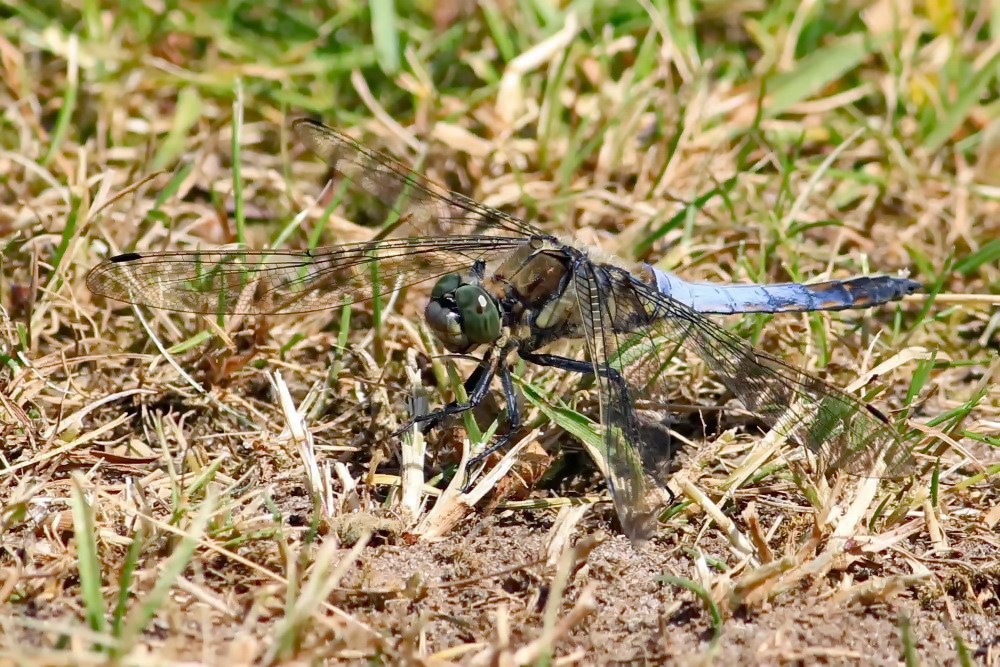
<point>179,488</point>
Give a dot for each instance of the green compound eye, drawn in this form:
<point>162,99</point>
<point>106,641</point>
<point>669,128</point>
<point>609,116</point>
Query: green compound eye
<point>480,314</point>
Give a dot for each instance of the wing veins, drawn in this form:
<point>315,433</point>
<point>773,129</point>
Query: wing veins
<point>753,375</point>
<point>335,147</point>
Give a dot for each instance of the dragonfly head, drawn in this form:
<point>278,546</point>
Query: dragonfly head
<point>462,313</point>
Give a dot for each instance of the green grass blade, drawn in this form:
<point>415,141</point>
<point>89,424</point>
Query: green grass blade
<point>68,106</point>
<point>237,144</point>
<point>88,562</point>
<point>706,597</point>
<point>816,71</point>
<point>988,254</point>
<point>385,34</point>
<point>907,642</point>
<point>129,566</point>
<point>172,569</point>
<point>188,112</point>
<point>956,112</point>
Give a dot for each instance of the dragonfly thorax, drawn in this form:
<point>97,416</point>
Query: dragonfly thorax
<point>462,313</point>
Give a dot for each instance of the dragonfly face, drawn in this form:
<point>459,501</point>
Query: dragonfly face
<point>462,313</point>
<point>506,285</point>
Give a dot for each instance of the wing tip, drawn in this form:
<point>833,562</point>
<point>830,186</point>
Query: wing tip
<point>306,121</point>
<point>125,257</point>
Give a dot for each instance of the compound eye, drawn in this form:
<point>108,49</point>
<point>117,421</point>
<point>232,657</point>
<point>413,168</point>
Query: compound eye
<point>480,314</point>
<point>446,285</point>
<point>446,325</point>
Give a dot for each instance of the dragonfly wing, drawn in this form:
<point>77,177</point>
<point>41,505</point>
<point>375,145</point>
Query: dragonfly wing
<point>429,231</point>
<point>415,204</point>
<point>286,281</point>
<point>843,432</point>
<point>635,451</point>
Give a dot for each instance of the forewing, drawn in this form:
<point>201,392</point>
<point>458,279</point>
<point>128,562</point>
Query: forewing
<point>842,431</point>
<point>286,281</point>
<point>428,231</point>
<point>414,204</point>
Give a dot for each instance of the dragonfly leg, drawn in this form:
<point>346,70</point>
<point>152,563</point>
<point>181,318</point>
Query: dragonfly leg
<point>433,419</point>
<point>572,365</point>
<point>476,387</point>
<point>513,417</point>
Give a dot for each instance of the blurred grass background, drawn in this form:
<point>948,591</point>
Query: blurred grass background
<point>749,141</point>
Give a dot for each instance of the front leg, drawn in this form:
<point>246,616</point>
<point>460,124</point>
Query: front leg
<point>476,387</point>
<point>513,416</point>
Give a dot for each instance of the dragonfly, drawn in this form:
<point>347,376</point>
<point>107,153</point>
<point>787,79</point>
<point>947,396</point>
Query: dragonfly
<point>506,289</point>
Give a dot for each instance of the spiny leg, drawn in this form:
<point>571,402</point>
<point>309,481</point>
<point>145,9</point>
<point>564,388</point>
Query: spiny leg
<point>476,387</point>
<point>571,365</point>
<point>510,397</point>
<point>513,417</point>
